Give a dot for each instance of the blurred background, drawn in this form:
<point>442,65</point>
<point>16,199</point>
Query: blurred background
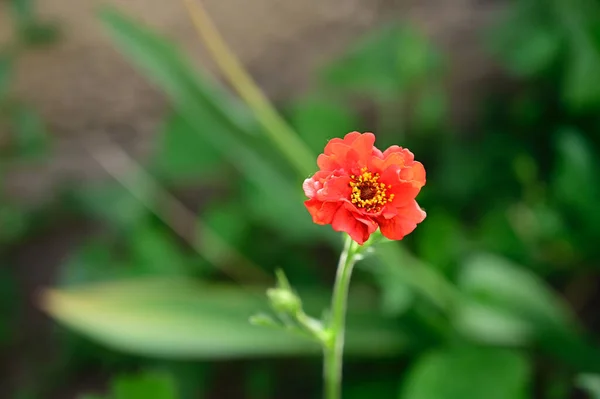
<point>144,206</point>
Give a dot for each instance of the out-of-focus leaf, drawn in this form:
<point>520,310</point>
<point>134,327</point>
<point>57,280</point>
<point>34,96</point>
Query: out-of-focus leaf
<point>30,139</point>
<point>154,252</point>
<point>440,241</point>
<point>39,33</point>
<point>8,306</point>
<point>590,383</point>
<point>14,221</point>
<point>260,382</point>
<point>291,220</point>
<point>6,68</point>
<point>31,30</point>
<point>317,120</point>
<point>496,234</point>
<point>228,220</point>
<point>504,284</point>
<point>490,325</point>
<point>575,184</point>
<point>94,261</point>
<point>144,386</point>
<point>526,47</point>
<point>23,10</point>
<point>182,152</point>
<point>415,56</point>
<point>164,63</point>
<point>516,306</point>
<point>192,379</point>
<point>404,268</point>
<point>429,109</point>
<point>370,386</point>
<point>210,111</point>
<point>182,319</point>
<point>468,373</point>
<point>457,178</point>
<point>579,91</point>
<point>116,204</point>
<point>384,63</point>
<point>576,172</point>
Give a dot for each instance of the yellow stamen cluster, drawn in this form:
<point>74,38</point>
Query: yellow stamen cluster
<point>368,193</point>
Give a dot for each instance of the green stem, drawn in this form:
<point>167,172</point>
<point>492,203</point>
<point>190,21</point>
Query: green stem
<point>334,348</point>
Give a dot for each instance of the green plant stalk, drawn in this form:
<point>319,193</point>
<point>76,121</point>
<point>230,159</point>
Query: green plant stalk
<point>334,348</point>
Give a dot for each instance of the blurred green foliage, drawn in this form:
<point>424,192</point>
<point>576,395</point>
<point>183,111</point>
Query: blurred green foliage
<point>493,296</point>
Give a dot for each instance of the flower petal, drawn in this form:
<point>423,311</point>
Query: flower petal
<point>310,187</point>
<point>403,223</point>
<point>345,220</point>
<point>363,145</point>
<point>405,183</point>
<point>414,173</point>
<point>335,189</point>
<point>321,212</point>
<point>331,144</point>
<point>351,137</point>
<point>404,152</point>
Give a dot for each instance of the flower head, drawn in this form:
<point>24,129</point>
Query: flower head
<point>359,188</point>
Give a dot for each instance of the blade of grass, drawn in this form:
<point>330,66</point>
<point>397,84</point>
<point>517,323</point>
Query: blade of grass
<point>277,129</point>
<point>121,167</point>
<point>224,122</point>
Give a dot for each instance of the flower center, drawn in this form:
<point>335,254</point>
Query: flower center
<point>368,193</point>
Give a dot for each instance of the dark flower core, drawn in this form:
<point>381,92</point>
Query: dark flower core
<point>368,193</point>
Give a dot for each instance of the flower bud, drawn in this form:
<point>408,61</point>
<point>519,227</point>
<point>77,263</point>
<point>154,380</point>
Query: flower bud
<point>284,300</point>
<point>263,320</point>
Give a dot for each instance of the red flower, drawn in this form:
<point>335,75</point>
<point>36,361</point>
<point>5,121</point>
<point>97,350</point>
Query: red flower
<point>359,188</point>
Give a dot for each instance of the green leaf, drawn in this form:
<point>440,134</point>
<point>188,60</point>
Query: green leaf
<point>504,284</point>
<point>318,120</point>
<point>23,11</point>
<point>227,126</point>
<point>280,210</point>
<point>497,234</point>
<point>93,261</point>
<point>30,139</point>
<point>468,373</point>
<point>400,266</point>
<point>154,252</point>
<point>384,63</point>
<point>488,324</point>
<point>576,171</point>
<point>6,70</point>
<point>116,204</point>
<point>511,305</point>
<point>574,184</point>
<point>429,110</point>
<point>579,91</point>
<point>31,30</point>
<point>590,383</point>
<point>526,47</point>
<point>183,153</point>
<point>228,220</point>
<point>172,72</point>
<point>14,222</point>
<point>176,318</point>
<point>441,240</point>
<point>39,33</point>
<point>144,386</point>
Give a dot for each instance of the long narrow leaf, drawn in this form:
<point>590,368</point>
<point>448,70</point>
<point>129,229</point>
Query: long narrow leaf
<point>177,318</point>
